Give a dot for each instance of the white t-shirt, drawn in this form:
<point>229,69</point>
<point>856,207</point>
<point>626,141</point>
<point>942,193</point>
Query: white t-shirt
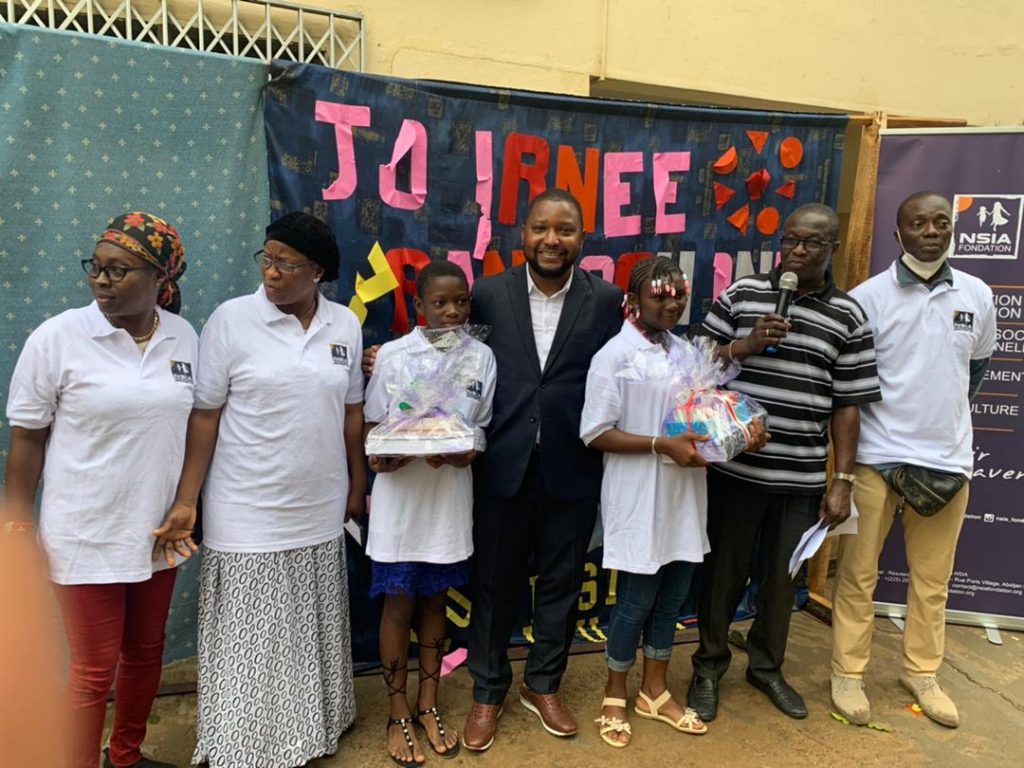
<point>418,513</point>
<point>653,512</point>
<point>117,421</point>
<point>279,478</point>
<point>924,342</point>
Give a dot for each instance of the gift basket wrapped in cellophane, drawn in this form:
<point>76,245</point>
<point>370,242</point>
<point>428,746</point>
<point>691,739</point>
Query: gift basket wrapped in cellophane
<point>432,379</point>
<point>703,406</point>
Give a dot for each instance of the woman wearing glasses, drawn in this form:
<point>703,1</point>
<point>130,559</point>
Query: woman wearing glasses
<point>278,423</point>
<point>98,407</point>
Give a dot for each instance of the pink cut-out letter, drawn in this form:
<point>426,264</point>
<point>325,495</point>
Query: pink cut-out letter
<point>462,258</point>
<point>602,264</point>
<point>345,117</point>
<point>666,191</point>
<point>484,194</point>
<point>616,193</point>
<point>723,274</point>
<point>412,136</point>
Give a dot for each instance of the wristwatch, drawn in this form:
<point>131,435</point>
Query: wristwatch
<point>847,476</point>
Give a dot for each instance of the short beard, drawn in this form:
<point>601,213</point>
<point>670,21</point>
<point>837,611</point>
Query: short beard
<point>549,274</point>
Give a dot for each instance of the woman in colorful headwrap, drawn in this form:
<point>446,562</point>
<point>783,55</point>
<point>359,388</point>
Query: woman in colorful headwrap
<point>98,408</point>
<point>278,422</point>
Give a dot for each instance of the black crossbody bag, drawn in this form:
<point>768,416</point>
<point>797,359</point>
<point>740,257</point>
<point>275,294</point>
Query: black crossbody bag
<point>928,491</point>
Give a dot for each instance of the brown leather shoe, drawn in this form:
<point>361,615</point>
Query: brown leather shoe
<point>481,724</point>
<point>549,707</point>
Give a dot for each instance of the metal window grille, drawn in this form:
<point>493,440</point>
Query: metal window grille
<point>248,28</point>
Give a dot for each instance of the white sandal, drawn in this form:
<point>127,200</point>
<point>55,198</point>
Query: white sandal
<point>690,722</point>
<point>613,724</point>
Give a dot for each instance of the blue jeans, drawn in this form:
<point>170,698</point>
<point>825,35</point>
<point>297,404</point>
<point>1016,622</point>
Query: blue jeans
<point>647,604</point>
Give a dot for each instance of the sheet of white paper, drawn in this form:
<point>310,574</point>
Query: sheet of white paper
<point>353,529</point>
<point>849,526</point>
<point>807,546</point>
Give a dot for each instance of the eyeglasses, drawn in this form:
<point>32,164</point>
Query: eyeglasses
<point>811,245</point>
<point>284,267</point>
<point>115,273</point>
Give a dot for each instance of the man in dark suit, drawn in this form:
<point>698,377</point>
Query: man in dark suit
<point>537,485</point>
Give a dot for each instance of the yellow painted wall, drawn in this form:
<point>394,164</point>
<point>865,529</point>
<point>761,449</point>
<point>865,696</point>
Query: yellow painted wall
<point>943,58</point>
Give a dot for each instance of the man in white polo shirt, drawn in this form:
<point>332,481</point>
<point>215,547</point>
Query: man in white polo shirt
<point>935,330</point>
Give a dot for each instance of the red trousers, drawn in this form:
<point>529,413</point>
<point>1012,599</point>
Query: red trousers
<point>113,630</point>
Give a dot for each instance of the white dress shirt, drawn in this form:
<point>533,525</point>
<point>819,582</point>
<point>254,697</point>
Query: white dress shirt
<point>544,313</point>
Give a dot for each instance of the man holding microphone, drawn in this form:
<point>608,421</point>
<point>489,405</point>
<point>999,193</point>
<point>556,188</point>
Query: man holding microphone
<point>810,371</point>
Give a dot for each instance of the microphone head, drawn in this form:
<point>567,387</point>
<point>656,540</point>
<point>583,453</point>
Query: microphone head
<point>788,281</point>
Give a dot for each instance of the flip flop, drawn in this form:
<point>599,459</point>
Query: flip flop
<point>451,751</point>
<point>690,722</point>
<point>613,724</point>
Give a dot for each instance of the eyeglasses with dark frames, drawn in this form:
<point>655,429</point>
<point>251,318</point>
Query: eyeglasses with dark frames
<point>285,268</point>
<point>115,273</point>
<point>810,244</point>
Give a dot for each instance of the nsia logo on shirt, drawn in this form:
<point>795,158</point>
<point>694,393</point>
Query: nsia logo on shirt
<point>181,371</point>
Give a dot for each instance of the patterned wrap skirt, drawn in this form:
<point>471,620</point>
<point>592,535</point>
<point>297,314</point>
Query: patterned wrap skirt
<point>275,657</point>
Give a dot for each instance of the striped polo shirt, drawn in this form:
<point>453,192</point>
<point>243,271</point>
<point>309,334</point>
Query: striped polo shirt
<point>826,361</point>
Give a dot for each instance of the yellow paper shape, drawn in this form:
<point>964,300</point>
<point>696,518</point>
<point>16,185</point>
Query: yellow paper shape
<point>383,281</point>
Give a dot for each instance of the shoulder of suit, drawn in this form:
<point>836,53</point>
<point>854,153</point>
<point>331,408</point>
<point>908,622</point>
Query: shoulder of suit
<point>493,281</point>
<point>599,285</point>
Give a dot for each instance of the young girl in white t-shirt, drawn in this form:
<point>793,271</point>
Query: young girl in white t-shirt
<point>653,496</point>
<point>421,526</point>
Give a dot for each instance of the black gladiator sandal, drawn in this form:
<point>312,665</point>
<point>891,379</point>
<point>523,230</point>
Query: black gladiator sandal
<point>437,648</point>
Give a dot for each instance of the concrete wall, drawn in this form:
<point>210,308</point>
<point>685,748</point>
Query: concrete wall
<point>938,59</point>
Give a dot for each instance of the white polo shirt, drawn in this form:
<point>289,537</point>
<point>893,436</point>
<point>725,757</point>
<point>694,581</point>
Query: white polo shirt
<point>924,342</point>
<point>421,513</point>
<point>653,512</point>
<point>117,421</point>
<point>279,477</point>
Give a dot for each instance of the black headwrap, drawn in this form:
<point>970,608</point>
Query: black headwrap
<point>310,237</point>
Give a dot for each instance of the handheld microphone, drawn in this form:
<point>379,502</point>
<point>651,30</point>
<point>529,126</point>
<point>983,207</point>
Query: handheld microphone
<point>787,287</point>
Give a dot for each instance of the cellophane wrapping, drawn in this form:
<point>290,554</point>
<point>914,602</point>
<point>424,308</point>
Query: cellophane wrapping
<point>704,407</point>
<point>426,422</point>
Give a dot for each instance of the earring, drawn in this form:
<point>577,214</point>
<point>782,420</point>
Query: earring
<point>629,311</point>
<point>316,279</point>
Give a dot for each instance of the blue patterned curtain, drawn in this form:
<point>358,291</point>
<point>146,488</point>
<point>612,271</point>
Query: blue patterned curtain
<point>91,128</point>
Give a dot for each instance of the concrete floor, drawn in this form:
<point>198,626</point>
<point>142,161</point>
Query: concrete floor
<point>986,682</point>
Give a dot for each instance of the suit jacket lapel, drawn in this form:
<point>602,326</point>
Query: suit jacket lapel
<point>578,294</point>
<point>520,308</point>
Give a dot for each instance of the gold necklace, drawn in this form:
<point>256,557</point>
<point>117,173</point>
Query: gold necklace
<point>307,316</point>
<point>147,336</point>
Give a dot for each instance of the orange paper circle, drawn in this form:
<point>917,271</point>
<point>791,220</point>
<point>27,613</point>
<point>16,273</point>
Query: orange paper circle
<point>768,221</point>
<point>791,152</point>
<point>727,162</point>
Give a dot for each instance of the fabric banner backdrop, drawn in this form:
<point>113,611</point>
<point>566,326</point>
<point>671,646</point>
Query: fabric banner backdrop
<point>982,173</point>
<point>408,171</point>
<point>91,128</point>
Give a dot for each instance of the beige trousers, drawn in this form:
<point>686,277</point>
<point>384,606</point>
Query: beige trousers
<point>930,544</point>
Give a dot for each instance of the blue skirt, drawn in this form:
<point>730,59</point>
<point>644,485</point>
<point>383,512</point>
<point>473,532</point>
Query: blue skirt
<point>417,579</point>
